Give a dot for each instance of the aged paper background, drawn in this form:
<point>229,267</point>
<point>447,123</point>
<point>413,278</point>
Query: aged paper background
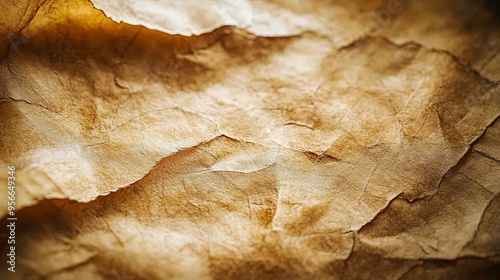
<point>252,139</point>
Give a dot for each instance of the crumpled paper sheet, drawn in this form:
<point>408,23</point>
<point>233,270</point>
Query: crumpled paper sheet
<point>318,140</point>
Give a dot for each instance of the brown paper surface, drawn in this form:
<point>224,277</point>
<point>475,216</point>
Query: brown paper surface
<point>251,139</point>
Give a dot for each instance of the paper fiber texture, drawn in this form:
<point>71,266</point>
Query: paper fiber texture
<point>251,139</point>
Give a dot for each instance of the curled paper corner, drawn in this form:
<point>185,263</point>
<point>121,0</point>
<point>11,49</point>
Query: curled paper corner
<point>175,17</point>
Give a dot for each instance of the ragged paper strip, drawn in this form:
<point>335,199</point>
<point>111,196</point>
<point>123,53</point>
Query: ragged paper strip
<point>293,140</point>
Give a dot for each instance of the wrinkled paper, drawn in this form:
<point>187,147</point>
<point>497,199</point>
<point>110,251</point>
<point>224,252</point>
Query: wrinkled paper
<point>251,139</point>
